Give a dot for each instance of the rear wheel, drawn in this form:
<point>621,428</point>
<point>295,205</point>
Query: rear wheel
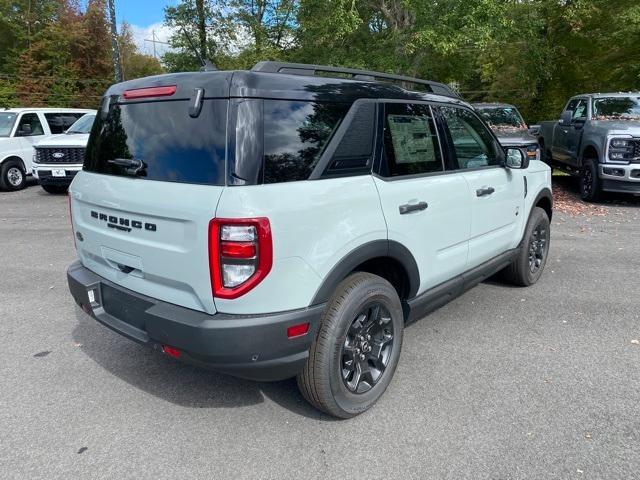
<point>590,185</point>
<point>12,175</point>
<point>526,269</point>
<point>54,189</point>
<point>357,347</point>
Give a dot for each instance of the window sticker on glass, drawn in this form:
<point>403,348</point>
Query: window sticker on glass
<point>412,142</point>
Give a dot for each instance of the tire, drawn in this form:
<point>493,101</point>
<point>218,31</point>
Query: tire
<point>12,175</point>
<point>329,380</point>
<point>590,185</point>
<point>54,189</point>
<point>526,269</point>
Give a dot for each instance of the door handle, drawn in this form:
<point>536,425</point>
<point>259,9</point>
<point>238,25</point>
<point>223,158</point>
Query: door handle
<point>413,207</point>
<point>481,192</point>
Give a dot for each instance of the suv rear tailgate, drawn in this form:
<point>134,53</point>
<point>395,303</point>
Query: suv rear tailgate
<point>147,236</point>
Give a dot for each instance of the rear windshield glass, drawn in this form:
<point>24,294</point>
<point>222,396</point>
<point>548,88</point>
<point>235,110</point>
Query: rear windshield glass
<point>160,141</point>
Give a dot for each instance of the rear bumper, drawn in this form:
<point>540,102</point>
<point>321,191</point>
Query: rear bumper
<point>255,347</point>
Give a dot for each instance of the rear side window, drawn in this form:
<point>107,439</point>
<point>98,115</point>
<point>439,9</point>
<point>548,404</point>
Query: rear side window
<point>410,141</point>
<point>59,122</point>
<point>295,135</point>
<point>173,146</point>
<point>353,154</point>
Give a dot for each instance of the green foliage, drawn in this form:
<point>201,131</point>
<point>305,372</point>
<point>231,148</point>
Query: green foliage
<point>533,53</point>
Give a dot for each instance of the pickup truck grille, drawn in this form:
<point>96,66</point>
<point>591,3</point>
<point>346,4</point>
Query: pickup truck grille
<point>636,151</point>
<point>60,155</point>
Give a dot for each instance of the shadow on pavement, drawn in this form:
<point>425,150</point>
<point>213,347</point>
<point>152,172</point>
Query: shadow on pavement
<point>571,186</point>
<point>179,383</point>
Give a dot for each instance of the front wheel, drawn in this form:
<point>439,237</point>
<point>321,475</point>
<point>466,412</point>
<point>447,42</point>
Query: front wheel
<point>12,175</point>
<point>526,269</point>
<point>357,347</point>
<point>590,187</point>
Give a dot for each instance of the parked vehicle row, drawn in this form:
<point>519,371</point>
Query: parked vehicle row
<point>597,139</point>
<point>289,220</point>
<point>20,130</point>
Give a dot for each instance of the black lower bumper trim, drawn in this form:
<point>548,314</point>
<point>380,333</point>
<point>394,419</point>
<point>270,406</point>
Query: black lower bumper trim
<point>255,347</point>
<point>620,186</point>
<point>45,178</point>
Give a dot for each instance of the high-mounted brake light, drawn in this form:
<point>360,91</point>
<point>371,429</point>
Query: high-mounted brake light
<point>240,254</point>
<point>148,92</point>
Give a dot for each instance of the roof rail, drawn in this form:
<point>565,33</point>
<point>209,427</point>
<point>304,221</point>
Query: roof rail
<point>366,75</point>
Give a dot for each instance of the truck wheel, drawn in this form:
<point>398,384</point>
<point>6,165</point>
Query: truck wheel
<point>54,189</point>
<point>527,267</point>
<point>590,188</point>
<point>12,176</point>
<point>356,350</point>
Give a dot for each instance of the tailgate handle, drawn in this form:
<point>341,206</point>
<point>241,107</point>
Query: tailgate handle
<point>125,268</point>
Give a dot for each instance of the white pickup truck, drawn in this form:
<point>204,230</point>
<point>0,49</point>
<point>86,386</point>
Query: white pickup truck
<point>57,159</point>
<point>20,130</point>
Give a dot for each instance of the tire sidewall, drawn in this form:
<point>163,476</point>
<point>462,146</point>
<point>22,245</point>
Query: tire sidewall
<point>4,172</point>
<point>366,293</point>
<point>595,184</point>
<point>538,216</point>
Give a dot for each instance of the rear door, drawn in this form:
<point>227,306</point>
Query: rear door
<point>573,136</point>
<point>495,193</point>
<point>426,210</point>
<point>142,205</point>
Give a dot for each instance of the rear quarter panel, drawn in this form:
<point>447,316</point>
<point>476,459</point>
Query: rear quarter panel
<point>314,225</point>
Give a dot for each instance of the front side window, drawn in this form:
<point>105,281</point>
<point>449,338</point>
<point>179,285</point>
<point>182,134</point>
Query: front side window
<point>29,126</point>
<point>410,141</point>
<point>473,145</point>
<point>580,112</point>
<point>295,135</point>
<point>6,123</point>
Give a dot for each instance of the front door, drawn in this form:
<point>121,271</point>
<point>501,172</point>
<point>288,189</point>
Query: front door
<point>426,209</point>
<point>30,131</point>
<point>573,136</point>
<point>495,193</point>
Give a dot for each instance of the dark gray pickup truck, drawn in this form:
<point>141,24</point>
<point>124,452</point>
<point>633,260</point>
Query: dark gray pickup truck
<point>509,126</point>
<point>598,139</point>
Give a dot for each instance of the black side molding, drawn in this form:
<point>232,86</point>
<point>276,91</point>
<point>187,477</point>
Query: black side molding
<point>436,297</point>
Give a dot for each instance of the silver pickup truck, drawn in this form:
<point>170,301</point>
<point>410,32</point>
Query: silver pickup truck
<point>598,139</point>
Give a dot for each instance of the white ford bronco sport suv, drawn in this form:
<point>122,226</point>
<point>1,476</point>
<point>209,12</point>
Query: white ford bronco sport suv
<point>289,220</point>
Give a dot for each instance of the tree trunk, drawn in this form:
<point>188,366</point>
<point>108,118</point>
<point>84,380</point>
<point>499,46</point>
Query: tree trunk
<point>202,28</point>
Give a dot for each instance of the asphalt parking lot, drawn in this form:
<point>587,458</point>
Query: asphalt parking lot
<point>502,383</point>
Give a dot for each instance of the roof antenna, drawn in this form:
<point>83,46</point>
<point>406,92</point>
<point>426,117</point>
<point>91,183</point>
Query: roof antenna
<point>205,64</point>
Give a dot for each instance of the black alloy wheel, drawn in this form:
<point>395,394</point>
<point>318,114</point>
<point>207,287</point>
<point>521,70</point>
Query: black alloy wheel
<point>367,348</point>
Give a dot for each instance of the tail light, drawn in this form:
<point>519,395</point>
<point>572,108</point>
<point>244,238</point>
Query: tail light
<point>240,254</point>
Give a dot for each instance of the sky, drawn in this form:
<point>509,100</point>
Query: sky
<point>145,17</point>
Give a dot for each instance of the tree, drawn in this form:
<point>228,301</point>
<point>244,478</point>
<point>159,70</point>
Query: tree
<point>134,63</point>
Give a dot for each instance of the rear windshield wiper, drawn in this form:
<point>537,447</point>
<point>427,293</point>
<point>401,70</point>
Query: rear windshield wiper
<point>133,166</point>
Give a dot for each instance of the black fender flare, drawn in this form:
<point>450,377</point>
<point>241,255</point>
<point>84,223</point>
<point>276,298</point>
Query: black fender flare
<point>544,193</point>
<point>369,251</point>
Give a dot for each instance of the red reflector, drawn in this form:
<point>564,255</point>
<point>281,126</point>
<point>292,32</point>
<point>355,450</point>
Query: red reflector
<point>150,92</point>
<point>171,351</point>
<point>298,330</point>
<point>238,249</point>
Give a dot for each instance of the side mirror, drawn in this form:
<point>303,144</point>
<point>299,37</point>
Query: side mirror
<point>565,118</point>
<point>25,129</point>
<point>534,130</point>
<point>516,159</point>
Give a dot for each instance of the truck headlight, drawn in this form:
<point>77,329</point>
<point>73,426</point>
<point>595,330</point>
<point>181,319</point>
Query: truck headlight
<point>622,149</point>
<point>533,152</point>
